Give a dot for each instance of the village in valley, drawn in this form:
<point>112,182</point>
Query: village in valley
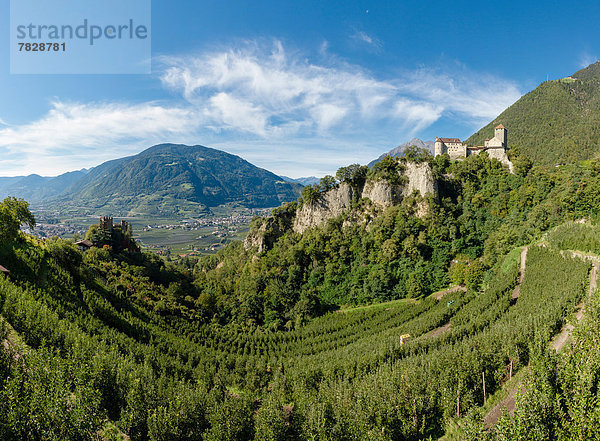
<point>164,236</point>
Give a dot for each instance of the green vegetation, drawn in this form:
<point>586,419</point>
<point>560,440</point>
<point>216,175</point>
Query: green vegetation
<point>14,213</point>
<point>481,214</point>
<point>576,236</point>
<point>354,175</point>
<point>251,346</point>
<point>344,332</point>
<point>557,123</point>
<point>389,169</point>
<point>559,397</point>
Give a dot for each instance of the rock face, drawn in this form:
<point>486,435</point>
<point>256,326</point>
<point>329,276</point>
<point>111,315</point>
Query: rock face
<point>500,155</point>
<point>420,178</point>
<point>331,204</point>
<point>256,238</point>
<point>417,177</point>
<point>268,231</point>
<point>381,193</point>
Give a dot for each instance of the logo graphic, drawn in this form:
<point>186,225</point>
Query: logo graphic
<point>80,37</point>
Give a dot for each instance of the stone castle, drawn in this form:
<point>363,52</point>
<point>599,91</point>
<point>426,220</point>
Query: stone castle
<point>106,224</point>
<point>457,150</point>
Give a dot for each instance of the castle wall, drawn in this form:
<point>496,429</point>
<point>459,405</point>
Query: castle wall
<point>500,155</point>
<point>495,143</point>
<point>457,151</point>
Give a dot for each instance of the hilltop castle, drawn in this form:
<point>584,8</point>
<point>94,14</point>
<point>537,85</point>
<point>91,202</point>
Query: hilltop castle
<point>457,150</point>
<point>117,235</point>
<point>106,224</point>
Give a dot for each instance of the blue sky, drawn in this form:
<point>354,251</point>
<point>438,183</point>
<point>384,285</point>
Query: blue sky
<point>299,88</point>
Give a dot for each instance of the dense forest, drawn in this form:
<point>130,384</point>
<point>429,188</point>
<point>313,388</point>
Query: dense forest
<point>302,341</point>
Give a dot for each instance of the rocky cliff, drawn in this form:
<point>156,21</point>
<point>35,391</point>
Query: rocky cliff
<point>331,204</point>
<point>382,193</point>
<point>418,177</point>
<point>339,200</point>
<point>265,231</point>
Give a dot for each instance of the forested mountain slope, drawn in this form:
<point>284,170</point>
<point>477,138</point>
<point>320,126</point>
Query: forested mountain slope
<point>166,179</point>
<point>171,179</point>
<point>37,188</point>
<point>556,123</point>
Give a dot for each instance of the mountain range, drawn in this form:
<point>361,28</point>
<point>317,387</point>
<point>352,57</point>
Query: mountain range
<point>36,188</point>
<point>309,180</point>
<point>399,151</point>
<point>164,179</point>
<point>558,122</point>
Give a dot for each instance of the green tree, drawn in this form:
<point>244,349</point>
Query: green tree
<point>327,183</point>
<point>458,273</point>
<point>474,275</point>
<point>14,213</point>
<point>389,168</point>
<point>354,174</point>
<point>311,194</point>
<point>413,153</point>
<point>98,236</point>
<point>65,253</point>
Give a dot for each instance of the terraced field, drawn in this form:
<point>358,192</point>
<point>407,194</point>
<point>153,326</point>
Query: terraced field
<point>350,373</point>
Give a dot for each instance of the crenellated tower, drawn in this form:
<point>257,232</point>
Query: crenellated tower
<point>106,223</point>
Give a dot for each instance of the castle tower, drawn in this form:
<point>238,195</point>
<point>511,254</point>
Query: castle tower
<point>500,134</point>
<point>439,147</point>
<point>106,223</point>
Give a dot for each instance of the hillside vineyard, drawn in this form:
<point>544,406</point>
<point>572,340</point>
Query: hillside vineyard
<point>387,303</point>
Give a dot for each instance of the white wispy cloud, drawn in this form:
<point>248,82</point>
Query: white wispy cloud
<point>370,40</point>
<point>262,95</point>
<point>585,59</point>
<point>476,97</point>
<point>268,93</point>
<point>72,134</point>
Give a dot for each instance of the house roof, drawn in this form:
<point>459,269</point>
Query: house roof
<point>85,243</point>
<point>448,139</point>
<point>4,270</point>
<point>500,126</point>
